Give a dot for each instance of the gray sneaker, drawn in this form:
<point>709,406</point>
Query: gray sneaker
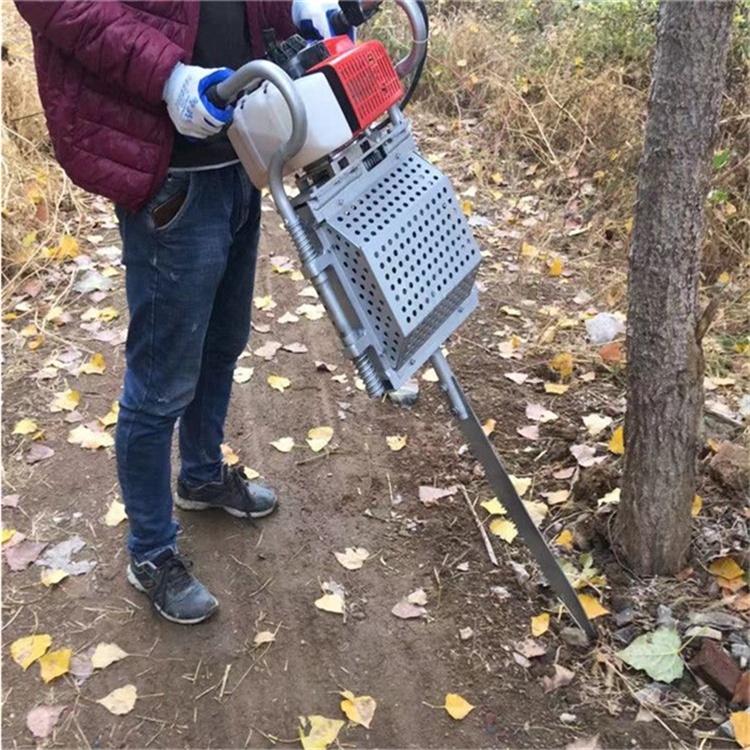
<point>232,493</point>
<point>175,592</point>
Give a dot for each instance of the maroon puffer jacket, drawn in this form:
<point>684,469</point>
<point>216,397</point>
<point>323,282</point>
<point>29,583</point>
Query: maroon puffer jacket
<point>101,69</point>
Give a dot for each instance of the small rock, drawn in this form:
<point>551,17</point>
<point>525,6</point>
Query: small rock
<point>625,635</point>
<point>731,467</point>
<point>463,567</point>
<point>567,718</point>
<point>727,730</point>
<point>574,637</point>
<point>717,619</point>
<point>625,617</point>
<point>500,592</point>
<point>702,631</point>
<point>407,394</point>
<point>465,633</point>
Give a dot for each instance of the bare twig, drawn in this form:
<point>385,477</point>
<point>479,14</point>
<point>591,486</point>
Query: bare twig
<point>482,530</point>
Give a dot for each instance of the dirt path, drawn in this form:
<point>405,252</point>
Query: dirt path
<point>267,577</point>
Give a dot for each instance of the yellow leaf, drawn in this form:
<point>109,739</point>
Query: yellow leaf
<point>120,701</point>
<point>558,497</point>
<point>29,330</point>
<point>108,314</point>
<point>540,624</point>
<point>697,506</point>
<point>466,207</point>
<point>358,709</point>
<point>578,61</point>
<point>352,558</point>
<point>537,511</point>
<point>494,507</point>
<point>35,343</point>
<point>565,539</point>
<point>250,473</point>
<point>591,606</point>
<point>497,178</point>
<point>529,251</point>
<point>7,535</point>
<point>95,366</point>
<point>51,577</point>
<point>741,725</point>
<point>724,278</point>
<point>106,654</point>
<point>278,383</point>
<point>396,442</point>
<point>109,272</point>
<point>25,651</point>
<point>503,528</point>
<point>319,437</point>
<point>457,707</point>
<point>284,444</point>
<point>264,303</point>
<point>311,312</point>
<point>489,427</point>
<point>110,417</point>
<point>511,311</point>
<point>297,276</point>
<point>556,267</point>
<point>68,248</point>
<point>55,664</point>
<point>29,239</point>
<point>331,603</point>
<point>521,484</point>
<point>563,364</point>
<point>229,456</point>
<point>116,514</point>
<point>25,427</point>
<point>90,439</point>
<point>725,567</point>
<point>617,443</point>
<point>318,732</point>
<point>430,376</point>
<point>556,389</point>
<point>68,400</point>
<point>53,313</point>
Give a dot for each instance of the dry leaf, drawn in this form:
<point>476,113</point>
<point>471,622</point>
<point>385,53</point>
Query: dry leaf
<point>405,610</point>
<point>538,413</point>
<point>611,498</point>
<point>540,624</point>
<point>521,484</point>
<point>396,442</point>
<point>352,558</point>
<point>279,383</point>
<point>556,389</point>
<point>318,732</point>
<point>95,366</point>
<point>331,603</point>
<point>612,353</point>
<point>430,376</point>
<point>90,439</point>
<point>311,312</point>
<point>697,506</point>
<point>250,473</point>
<point>106,654</point>
<point>308,291</point>
<point>55,664</point>
<point>265,636</point>
<point>561,678</point>
<point>596,423</point>
<point>358,709</point>
<point>489,427</point>
<point>591,606</point>
<point>418,597</point>
<point>264,303</point>
<point>503,528</point>
<point>39,452</point>
<point>7,535</point>
<point>242,374</point>
<point>494,507</point>
<point>617,444</point>
<point>519,378</point>
<point>284,445</point>
<point>25,651</point>
<point>741,724</point>
<point>295,348</point>
<point>586,455</point>
<point>556,267</point>
<point>530,432</point>
<point>725,567</point>
<point>42,720</point>
<point>565,539</point>
<point>288,317</point>
<point>110,418</point>
<point>558,497</point>
<point>537,511</point>
<point>268,350</point>
<point>20,556</point>
<point>458,707</point>
<point>120,701</point>
<point>430,496</point>
<point>319,437</point>
<point>25,427</point>
<point>563,364</point>
<point>51,577</point>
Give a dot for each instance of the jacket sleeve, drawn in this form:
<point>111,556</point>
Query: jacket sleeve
<point>108,39</point>
<point>282,21</point>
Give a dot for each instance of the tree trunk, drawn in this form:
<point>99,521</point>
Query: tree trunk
<point>665,362</point>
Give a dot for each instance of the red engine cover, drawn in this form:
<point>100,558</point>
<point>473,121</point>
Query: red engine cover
<point>363,78</point>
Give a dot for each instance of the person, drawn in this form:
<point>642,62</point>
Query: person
<point>123,89</point>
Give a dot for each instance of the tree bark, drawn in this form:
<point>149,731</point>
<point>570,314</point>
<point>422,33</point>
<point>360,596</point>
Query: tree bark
<point>665,361</point>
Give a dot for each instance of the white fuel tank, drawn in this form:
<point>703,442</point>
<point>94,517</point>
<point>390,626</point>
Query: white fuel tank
<point>262,123</point>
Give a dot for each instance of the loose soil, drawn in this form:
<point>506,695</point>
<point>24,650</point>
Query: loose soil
<point>268,575</point>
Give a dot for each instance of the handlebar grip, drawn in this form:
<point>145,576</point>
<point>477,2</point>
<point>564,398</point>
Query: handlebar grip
<point>212,94</point>
<point>339,23</point>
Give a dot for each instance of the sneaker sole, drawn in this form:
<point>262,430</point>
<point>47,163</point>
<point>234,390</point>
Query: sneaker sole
<point>136,584</point>
<point>185,504</point>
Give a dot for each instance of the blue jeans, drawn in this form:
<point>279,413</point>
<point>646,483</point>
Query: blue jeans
<point>189,282</point>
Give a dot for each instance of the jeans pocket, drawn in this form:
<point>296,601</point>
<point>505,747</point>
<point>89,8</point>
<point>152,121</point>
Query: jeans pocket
<point>171,202</point>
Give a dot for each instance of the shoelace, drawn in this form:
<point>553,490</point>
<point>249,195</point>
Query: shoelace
<point>174,572</point>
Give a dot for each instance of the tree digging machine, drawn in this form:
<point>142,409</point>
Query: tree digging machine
<point>378,228</point>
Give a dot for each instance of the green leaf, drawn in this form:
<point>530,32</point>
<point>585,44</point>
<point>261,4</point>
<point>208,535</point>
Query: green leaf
<point>721,158</point>
<point>657,654</point>
<point>718,196</point>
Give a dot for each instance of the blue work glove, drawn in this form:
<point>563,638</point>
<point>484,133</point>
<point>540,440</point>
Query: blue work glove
<point>185,95</point>
<point>312,17</point>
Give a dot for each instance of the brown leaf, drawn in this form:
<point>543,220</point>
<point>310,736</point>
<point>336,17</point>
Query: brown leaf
<point>42,719</point>
<point>406,611</point>
<point>39,452</point>
<point>430,496</point>
<point>612,353</point>
<point>22,555</point>
<point>561,678</point>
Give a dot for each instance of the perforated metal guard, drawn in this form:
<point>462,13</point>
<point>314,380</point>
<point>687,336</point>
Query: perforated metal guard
<point>407,259</point>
